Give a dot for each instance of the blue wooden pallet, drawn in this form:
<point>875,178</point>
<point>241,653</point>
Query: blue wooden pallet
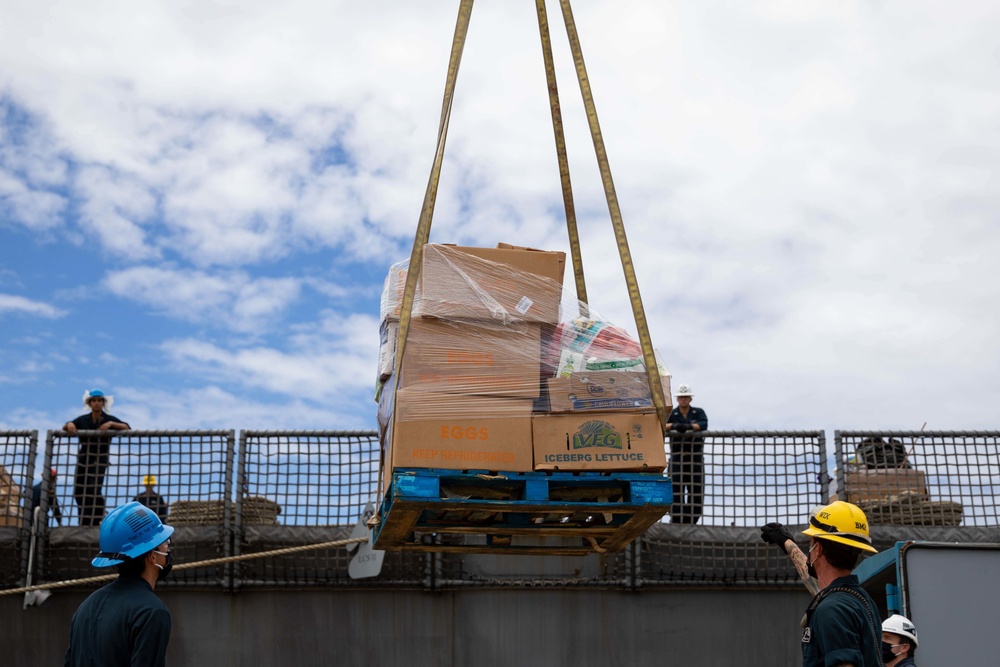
<point>599,511</point>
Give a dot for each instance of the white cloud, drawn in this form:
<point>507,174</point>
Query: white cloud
<point>332,361</point>
<point>211,407</point>
<point>11,303</point>
<point>808,188</point>
<point>115,205</point>
<point>232,298</point>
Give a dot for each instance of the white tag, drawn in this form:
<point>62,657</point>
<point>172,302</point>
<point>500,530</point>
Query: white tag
<point>367,562</point>
<point>524,305</point>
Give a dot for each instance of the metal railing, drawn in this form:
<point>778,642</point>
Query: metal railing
<point>184,476</point>
<point>307,487</point>
<point>278,489</point>
<point>921,478</point>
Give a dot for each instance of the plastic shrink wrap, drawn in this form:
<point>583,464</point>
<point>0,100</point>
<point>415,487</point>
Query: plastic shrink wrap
<point>485,382</point>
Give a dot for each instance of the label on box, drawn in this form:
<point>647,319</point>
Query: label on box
<point>433,430</point>
<point>602,390</point>
<point>610,441</point>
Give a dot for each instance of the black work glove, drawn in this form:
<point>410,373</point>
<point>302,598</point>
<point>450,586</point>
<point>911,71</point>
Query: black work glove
<point>680,428</point>
<point>775,534</point>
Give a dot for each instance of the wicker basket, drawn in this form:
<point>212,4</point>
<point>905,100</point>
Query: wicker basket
<point>867,485</point>
<point>256,510</point>
<point>911,508</point>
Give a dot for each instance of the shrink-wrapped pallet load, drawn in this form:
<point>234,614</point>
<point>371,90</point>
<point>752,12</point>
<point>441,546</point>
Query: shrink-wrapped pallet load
<point>485,372</point>
<point>471,371</point>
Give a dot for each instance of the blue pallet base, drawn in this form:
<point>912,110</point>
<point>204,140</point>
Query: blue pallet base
<point>478,511</point>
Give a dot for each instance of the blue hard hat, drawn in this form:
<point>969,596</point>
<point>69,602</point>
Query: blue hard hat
<point>97,393</point>
<point>130,530</point>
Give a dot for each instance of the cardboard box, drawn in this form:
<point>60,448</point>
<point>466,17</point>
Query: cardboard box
<point>503,283</point>
<point>599,441</point>
<point>391,302</point>
<point>387,346</point>
<point>472,358</point>
<point>879,483</point>
<point>432,430</point>
<point>603,390</point>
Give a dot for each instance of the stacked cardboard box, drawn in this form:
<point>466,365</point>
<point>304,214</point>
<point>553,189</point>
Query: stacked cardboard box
<point>471,373</point>
<point>600,414</point>
<point>480,385</point>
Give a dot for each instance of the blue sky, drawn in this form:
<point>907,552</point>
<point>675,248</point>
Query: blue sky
<point>198,203</point>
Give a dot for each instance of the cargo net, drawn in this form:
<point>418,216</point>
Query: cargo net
<point>921,478</point>
<point>726,484</point>
<point>183,476</point>
<point>17,454</point>
<point>298,488</point>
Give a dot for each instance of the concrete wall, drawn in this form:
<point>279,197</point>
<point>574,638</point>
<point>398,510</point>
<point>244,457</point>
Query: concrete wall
<point>581,628</point>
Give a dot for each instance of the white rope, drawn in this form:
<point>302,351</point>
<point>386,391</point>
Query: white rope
<point>186,566</point>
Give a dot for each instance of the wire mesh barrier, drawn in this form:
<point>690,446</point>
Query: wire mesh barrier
<point>921,478</point>
<point>17,460</point>
<point>303,487</point>
<point>745,478</point>
<point>287,489</point>
<point>184,476</point>
<point>727,484</point>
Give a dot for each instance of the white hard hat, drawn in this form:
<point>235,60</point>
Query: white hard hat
<point>900,625</point>
<point>684,390</point>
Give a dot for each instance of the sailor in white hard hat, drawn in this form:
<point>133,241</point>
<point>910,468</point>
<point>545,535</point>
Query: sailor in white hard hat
<point>687,460</point>
<point>899,641</point>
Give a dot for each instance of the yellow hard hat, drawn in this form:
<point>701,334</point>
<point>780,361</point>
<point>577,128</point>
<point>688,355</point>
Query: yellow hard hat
<point>149,479</point>
<point>841,522</point>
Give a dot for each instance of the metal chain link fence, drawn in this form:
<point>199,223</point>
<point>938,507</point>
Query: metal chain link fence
<point>305,487</point>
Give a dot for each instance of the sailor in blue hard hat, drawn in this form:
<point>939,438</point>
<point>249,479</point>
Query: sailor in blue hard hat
<point>125,622</point>
<point>93,455</point>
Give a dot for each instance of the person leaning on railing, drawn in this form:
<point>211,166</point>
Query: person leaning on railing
<point>92,456</point>
<point>687,459</point>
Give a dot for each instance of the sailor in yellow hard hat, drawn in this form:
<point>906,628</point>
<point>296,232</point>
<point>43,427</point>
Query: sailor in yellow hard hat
<point>843,523</point>
<point>842,624</point>
<point>152,499</point>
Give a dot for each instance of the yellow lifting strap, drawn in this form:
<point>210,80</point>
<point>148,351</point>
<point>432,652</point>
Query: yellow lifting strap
<point>427,211</point>
<point>564,179</point>
<point>641,325</point>
<point>430,196</point>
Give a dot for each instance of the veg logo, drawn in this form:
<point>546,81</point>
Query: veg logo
<point>597,433</point>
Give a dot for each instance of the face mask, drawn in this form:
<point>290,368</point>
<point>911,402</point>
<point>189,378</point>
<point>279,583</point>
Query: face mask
<point>164,569</point>
<point>809,564</point>
<point>887,654</point>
